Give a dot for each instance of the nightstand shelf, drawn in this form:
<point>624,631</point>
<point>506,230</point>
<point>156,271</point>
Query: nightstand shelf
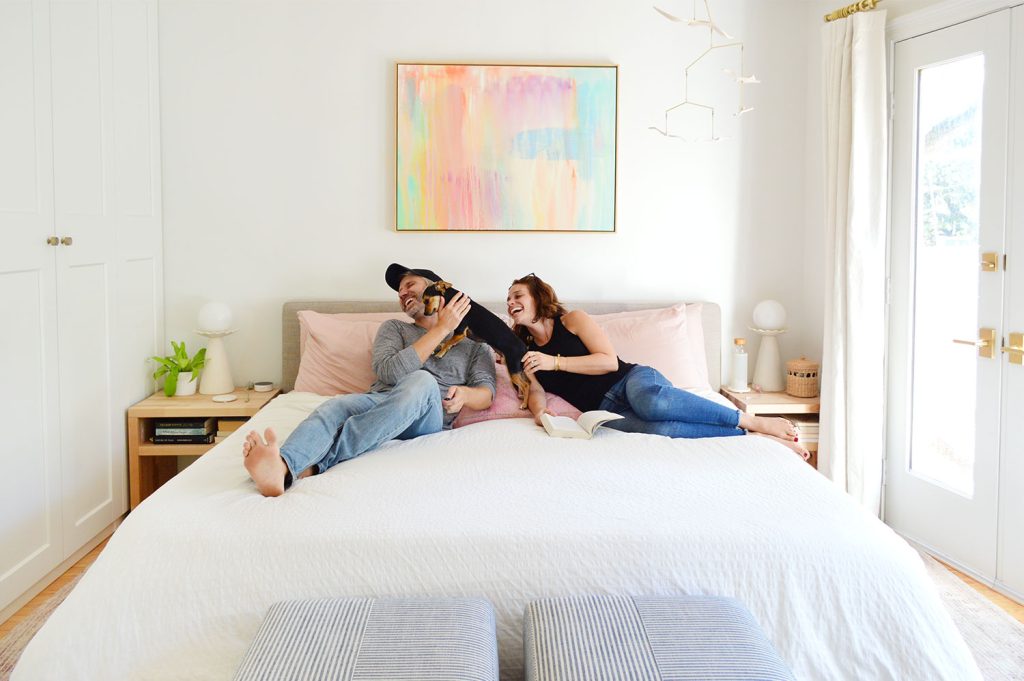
<point>779,404</point>
<point>151,465</point>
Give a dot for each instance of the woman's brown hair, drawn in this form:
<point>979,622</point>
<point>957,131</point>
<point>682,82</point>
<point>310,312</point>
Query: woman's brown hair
<point>544,297</point>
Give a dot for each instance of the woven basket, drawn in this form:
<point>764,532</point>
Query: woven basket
<point>802,378</point>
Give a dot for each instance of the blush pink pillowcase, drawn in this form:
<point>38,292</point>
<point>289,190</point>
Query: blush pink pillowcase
<point>670,339</point>
<point>506,404</point>
<point>336,351</point>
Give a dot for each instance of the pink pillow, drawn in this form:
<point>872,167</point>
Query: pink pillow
<point>670,339</point>
<point>506,404</point>
<point>336,351</point>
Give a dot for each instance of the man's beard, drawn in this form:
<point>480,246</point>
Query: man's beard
<point>414,309</point>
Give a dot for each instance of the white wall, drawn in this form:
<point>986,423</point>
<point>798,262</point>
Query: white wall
<point>278,147</point>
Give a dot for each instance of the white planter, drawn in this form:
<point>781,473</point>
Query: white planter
<point>186,386</point>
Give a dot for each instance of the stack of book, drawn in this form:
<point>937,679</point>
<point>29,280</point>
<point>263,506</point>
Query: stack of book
<point>226,426</point>
<point>808,430</point>
<point>195,431</point>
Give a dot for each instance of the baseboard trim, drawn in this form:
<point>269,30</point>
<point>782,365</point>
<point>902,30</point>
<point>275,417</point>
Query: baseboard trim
<point>34,590</point>
<point>993,584</point>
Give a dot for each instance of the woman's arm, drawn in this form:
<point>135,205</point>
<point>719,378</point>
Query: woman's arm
<point>601,360</point>
<point>537,400</point>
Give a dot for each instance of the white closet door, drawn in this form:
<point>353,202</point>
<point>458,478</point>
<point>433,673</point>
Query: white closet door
<point>1010,563</point>
<point>30,534</point>
<point>106,184</point>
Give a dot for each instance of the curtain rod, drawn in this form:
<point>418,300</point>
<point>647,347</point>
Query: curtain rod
<point>843,12</point>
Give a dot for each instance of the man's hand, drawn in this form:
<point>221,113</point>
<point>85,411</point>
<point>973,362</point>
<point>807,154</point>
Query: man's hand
<point>455,399</point>
<point>451,314</point>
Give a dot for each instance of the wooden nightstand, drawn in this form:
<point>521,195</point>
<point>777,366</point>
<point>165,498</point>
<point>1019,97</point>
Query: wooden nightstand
<point>151,465</point>
<point>799,409</point>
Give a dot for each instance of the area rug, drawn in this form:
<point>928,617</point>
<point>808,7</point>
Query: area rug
<point>995,638</point>
<point>17,638</point>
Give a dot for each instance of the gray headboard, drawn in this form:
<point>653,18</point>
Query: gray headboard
<point>711,318</point>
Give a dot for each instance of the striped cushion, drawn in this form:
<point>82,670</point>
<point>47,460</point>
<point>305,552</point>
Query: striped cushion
<point>618,638</point>
<point>366,639</point>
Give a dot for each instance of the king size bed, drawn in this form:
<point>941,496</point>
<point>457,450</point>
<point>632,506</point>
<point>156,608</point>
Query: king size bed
<point>500,510</point>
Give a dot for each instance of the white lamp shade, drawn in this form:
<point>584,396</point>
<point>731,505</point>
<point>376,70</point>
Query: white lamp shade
<point>215,316</point>
<point>769,314</point>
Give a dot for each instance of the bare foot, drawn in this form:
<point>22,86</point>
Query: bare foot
<point>769,425</point>
<point>264,463</point>
<point>795,446</point>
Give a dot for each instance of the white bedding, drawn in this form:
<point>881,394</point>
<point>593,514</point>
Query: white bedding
<point>501,510</point>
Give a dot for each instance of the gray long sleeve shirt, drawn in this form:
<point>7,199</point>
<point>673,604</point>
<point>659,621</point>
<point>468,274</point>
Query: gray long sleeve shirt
<point>467,363</point>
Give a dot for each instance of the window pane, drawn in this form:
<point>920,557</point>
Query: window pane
<point>946,281</point>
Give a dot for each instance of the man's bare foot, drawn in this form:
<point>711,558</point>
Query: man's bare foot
<point>264,463</point>
<point>769,425</point>
<point>795,446</point>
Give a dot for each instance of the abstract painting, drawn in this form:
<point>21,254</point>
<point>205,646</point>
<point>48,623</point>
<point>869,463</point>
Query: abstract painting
<point>506,148</point>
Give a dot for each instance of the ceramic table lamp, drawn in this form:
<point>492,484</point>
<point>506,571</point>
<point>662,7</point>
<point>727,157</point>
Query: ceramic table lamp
<point>769,322</point>
<point>215,323</point>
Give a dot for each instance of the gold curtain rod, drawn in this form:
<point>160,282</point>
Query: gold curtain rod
<point>843,12</point>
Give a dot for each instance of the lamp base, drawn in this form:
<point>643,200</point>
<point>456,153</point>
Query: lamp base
<point>216,378</point>
<point>768,372</point>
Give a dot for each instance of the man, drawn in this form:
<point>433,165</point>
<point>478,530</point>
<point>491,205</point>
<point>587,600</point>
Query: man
<point>415,393</point>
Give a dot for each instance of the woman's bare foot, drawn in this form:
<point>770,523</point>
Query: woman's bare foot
<point>795,446</point>
<point>264,463</point>
<point>769,425</point>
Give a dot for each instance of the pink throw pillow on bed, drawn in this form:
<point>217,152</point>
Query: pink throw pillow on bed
<point>670,339</point>
<point>506,404</point>
<point>336,351</point>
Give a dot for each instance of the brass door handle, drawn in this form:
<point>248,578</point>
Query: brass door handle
<point>66,241</point>
<point>986,343</point>
<point>1015,349</point>
<point>52,241</point>
<point>980,343</point>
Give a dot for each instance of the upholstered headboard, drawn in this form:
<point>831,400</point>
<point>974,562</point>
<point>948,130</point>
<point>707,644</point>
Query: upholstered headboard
<point>711,319</point>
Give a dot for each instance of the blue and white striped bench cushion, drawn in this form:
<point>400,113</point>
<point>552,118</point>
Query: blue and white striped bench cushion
<point>366,639</point>
<point>618,638</point>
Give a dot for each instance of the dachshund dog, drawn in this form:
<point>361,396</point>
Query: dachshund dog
<point>480,324</point>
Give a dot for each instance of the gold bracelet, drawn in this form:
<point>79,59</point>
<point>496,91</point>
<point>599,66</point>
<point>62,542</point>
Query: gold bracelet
<point>558,360</point>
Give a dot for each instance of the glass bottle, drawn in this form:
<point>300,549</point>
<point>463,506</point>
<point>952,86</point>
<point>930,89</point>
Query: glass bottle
<point>738,382</point>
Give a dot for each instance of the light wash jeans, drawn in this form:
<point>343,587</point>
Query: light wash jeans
<point>346,426</point>
<point>651,404</point>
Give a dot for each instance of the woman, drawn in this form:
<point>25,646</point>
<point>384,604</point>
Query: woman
<point>571,356</point>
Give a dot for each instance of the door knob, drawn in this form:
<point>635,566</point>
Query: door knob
<point>985,343</point>
<point>52,240</point>
<point>1015,349</point>
<point>66,241</point>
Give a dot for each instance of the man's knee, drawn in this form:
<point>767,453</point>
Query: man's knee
<point>419,383</point>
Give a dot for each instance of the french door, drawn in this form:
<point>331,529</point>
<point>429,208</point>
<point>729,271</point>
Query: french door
<point>953,447</point>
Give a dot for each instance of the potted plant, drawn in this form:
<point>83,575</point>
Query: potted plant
<point>178,367</point>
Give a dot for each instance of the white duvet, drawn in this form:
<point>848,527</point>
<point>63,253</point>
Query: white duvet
<point>503,511</point>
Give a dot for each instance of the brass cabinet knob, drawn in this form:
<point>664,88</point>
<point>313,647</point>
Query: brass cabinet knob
<point>66,241</point>
<point>52,241</point>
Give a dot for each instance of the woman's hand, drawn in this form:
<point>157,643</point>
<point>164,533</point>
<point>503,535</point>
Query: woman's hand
<point>536,417</point>
<point>534,361</point>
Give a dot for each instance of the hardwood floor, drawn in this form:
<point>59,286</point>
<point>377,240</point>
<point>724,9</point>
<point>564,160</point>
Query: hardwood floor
<point>72,572</point>
<point>1016,610</point>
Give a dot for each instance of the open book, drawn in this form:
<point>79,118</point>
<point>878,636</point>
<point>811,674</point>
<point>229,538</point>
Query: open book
<point>584,426</point>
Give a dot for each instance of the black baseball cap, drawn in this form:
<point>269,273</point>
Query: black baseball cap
<point>395,272</point>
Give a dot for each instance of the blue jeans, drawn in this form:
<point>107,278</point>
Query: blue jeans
<point>651,404</point>
<point>346,426</point>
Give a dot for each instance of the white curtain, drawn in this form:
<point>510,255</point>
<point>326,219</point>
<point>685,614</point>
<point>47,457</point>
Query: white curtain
<point>852,371</point>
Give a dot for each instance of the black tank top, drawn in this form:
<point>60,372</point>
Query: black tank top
<point>582,391</point>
